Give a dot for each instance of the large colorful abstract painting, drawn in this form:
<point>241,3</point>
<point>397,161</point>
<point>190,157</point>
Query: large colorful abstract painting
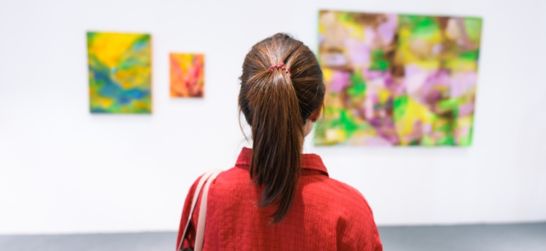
<point>119,72</point>
<point>398,80</point>
<point>187,75</point>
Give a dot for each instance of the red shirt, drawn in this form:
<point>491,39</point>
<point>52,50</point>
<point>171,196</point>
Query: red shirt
<point>325,213</point>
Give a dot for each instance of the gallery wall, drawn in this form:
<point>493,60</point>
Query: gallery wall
<point>63,169</point>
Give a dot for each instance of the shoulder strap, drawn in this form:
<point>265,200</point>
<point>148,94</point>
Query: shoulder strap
<point>205,180</point>
<point>202,181</point>
<point>200,232</point>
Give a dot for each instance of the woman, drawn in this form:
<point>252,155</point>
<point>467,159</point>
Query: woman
<point>275,197</point>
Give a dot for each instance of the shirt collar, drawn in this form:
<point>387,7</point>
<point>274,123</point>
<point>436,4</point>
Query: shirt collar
<point>309,161</point>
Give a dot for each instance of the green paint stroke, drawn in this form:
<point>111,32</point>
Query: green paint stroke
<point>379,61</point>
<point>358,86</point>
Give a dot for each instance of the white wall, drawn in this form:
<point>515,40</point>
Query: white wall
<point>65,170</point>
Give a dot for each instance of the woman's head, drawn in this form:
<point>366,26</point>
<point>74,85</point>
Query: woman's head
<point>281,91</point>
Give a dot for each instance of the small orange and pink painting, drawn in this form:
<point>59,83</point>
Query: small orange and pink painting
<point>187,75</point>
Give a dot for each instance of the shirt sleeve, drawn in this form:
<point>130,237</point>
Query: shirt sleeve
<point>357,230</point>
<point>189,241</point>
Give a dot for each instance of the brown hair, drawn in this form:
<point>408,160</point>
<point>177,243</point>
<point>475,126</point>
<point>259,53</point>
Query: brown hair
<point>281,87</point>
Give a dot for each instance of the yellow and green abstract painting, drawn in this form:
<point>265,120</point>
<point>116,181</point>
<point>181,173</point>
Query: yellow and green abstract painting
<point>119,72</point>
<point>398,80</point>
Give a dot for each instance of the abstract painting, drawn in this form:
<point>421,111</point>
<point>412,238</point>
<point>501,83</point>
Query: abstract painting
<point>119,72</point>
<point>187,75</point>
<point>398,80</point>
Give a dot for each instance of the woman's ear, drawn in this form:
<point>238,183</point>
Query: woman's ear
<point>315,115</point>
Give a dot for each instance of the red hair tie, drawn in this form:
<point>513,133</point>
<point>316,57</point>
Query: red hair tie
<point>281,66</point>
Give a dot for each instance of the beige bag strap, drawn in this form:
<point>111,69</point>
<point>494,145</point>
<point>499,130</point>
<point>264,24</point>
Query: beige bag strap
<point>200,184</point>
<point>206,180</point>
<point>200,231</point>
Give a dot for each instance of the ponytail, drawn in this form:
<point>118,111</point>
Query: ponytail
<point>277,133</point>
<point>271,100</point>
